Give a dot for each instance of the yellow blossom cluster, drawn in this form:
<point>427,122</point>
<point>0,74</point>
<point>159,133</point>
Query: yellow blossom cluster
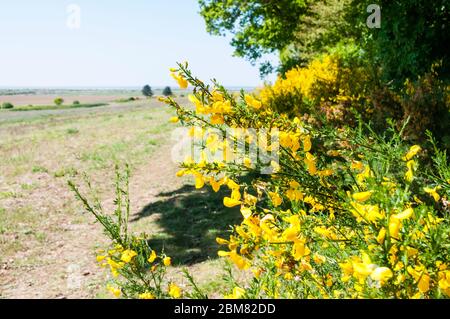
<point>323,86</point>
<point>129,263</point>
<point>326,212</point>
<point>303,80</point>
<point>336,217</point>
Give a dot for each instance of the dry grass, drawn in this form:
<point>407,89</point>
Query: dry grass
<point>46,239</point>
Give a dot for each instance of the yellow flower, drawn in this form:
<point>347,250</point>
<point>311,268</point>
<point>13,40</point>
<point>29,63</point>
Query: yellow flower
<point>217,119</point>
<point>347,269</point>
<point>424,283</point>
<point>152,257</point>
<point>310,162</point>
<point>214,184</point>
<point>167,261</point>
<point>247,162</point>
<point>250,199</point>
<point>127,255</point>
<point>319,259</point>
<point>362,196</point>
<point>232,185</point>
<point>114,266</point>
<point>217,96</point>
<point>238,260</point>
<point>409,175</point>
<point>299,249</point>
<point>326,172</point>
<point>237,293</point>
<point>251,101</point>
<point>199,107</point>
<point>381,235</point>
<point>357,165</point>
<point>181,81</point>
<point>100,258</point>
<point>146,295</point>
<point>290,234</point>
<point>444,282</point>
<point>412,152</point>
<point>174,291</point>
<point>257,272</point>
<point>230,202</point>
<point>294,194</point>
<point>366,173</point>
<point>181,173</point>
<point>394,227</point>
<point>433,192</point>
<point>381,274</point>
<point>199,181</point>
<point>222,241</point>
<point>222,253</point>
<point>363,268</point>
<point>307,143</point>
<point>370,213</point>
<point>246,212</point>
<point>276,199</point>
<point>407,213</point>
<point>115,291</point>
<point>174,119</point>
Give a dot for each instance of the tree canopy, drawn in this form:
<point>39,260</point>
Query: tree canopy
<point>147,91</point>
<point>410,40</point>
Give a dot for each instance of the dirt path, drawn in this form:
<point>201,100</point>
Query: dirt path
<point>48,242</point>
<point>65,265</point>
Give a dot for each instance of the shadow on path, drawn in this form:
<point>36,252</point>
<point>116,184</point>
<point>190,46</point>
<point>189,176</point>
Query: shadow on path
<point>191,220</point>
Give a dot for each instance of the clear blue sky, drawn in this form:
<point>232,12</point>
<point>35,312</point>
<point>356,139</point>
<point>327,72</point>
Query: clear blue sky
<point>119,43</point>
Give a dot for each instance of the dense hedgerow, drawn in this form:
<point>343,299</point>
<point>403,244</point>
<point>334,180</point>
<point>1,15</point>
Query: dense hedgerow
<point>7,105</point>
<point>58,101</point>
<point>340,89</point>
<point>344,213</point>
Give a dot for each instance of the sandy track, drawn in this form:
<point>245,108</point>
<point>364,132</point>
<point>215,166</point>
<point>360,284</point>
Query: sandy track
<point>66,267</point>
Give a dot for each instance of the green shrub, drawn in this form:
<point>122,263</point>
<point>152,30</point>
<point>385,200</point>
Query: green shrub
<point>424,102</point>
<point>72,131</point>
<point>76,102</point>
<point>59,101</point>
<point>7,105</point>
<point>126,100</point>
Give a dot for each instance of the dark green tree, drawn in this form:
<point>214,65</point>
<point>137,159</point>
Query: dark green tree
<point>7,105</point>
<point>258,27</point>
<point>411,38</point>
<point>147,91</point>
<point>167,91</point>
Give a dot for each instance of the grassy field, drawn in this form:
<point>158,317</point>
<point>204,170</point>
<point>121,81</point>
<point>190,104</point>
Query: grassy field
<point>55,107</point>
<point>47,241</point>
